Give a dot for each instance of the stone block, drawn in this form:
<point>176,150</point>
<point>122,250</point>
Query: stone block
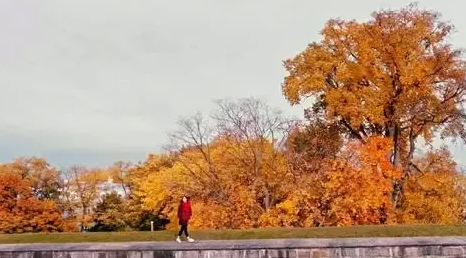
<point>275,253</point>
<point>286,253</point>
<point>271,253</point>
<point>112,254</point>
<point>208,254</point>
<point>6,255</point>
<point>280,253</point>
<point>291,253</point>
<point>42,254</point>
<point>64,255</point>
<point>151,254</point>
<point>159,254</point>
<point>230,254</point>
<point>249,253</point>
<point>303,253</point>
<point>83,254</point>
<point>430,250</point>
<point>205,254</point>
<point>23,255</point>
<point>381,252</point>
<point>453,251</point>
<point>245,253</point>
<point>188,254</point>
<point>122,254</point>
<point>335,252</point>
<point>100,255</point>
<point>410,252</point>
<point>350,252</point>
<point>263,254</point>
<point>320,254</point>
<point>397,251</point>
<point>135,254</point>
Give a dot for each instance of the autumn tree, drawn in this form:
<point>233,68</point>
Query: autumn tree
<point>435,194</point>
<point>251,125</point>
<point>139,172</point>
<point>21,212</point>
<point>353,189</point>
<point>80,191</point>
<point>109,213</point>
<point>311,152</point>
<point>191,147</point>
<point>194,170</point>
<point>360,183</point>
<point>43,178</point>
<point>148,200</point>
<point>395,76</point>
<point>238,206</point>
<point>230,163</point>
<point>311,147</point>
<point>120,172</point>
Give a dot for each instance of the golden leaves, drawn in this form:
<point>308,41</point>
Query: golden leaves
<point>397,68</point>
<point>436,194</point>
<point>358,191</point>
<point>233,189</point>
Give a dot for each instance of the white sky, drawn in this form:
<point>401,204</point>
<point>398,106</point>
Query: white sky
<point>94,81</point>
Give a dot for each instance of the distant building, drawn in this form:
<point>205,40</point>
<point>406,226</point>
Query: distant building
<point>70,194</point>
<point>109,186</point>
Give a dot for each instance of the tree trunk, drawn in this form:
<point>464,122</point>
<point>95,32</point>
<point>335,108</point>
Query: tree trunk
<point>396,161</point>
<point>267,199</point>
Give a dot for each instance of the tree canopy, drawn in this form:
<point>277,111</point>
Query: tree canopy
<point>395,76</point>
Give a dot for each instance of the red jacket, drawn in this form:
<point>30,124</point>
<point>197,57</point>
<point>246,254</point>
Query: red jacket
<point>184,212</point>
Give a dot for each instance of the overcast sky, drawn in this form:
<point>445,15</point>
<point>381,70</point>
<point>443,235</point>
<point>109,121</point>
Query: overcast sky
<point>94,81</point>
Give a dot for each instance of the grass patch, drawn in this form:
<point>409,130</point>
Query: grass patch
<point>262,233</point>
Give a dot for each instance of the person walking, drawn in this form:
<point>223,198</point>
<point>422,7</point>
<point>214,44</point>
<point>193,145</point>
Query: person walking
<point>184,215</point>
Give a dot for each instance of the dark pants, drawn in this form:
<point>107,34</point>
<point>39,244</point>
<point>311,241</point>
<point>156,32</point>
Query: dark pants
<point>183,229</point>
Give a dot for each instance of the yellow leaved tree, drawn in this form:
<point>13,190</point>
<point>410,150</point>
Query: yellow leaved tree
<point>436,195</point>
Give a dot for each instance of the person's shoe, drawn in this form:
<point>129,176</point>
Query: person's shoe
<point>178,240</point>
<point>190,240</point>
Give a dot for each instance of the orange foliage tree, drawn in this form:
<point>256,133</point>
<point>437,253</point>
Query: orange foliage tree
<point>21,212</point>
<point>394,76</point>
<point>359,186</point>
<point>42,177</point>
<point>353,190</point>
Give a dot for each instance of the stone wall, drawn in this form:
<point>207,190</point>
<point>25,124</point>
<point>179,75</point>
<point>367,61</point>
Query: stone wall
<point>279,248</point>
